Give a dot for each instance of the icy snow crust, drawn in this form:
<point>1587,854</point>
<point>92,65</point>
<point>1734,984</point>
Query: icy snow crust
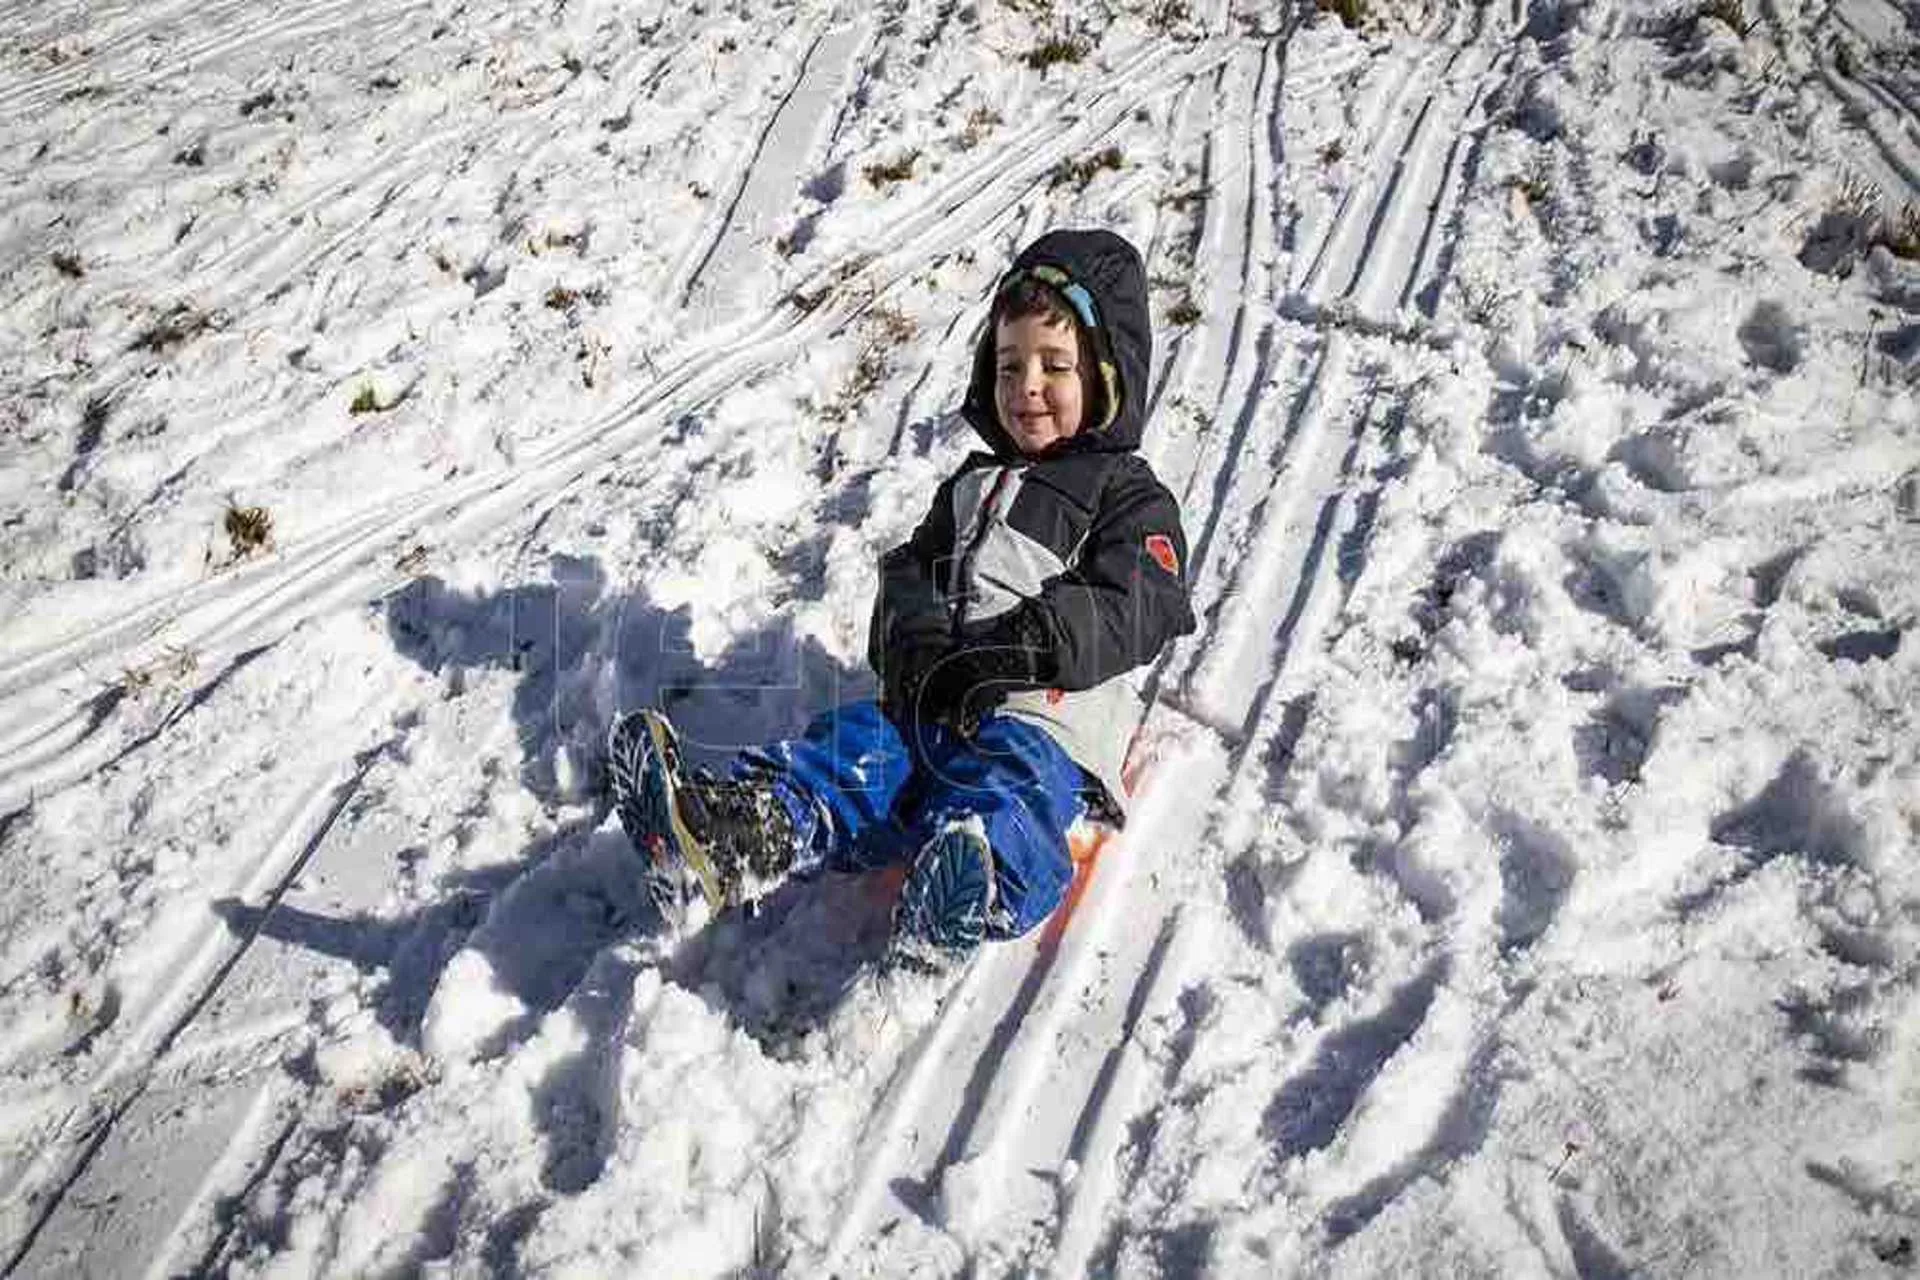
<point>1525,879</point>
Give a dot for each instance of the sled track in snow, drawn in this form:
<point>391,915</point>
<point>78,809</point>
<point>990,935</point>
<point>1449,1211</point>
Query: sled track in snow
<point>123,1080</point>
<point>1000,1068</point>
<point>1269,600</point>
<point>987,1105</point>
<point>1389,247</point>
<point>1259,584</point>
<point>234,25</point>
<point>342,567</point>
<point>1002,1096</point>
<point>1258,700</point>
<point>256,264</point>
<point>995,1100</point>
<point>1339,252</point>
<point>829,56</point>
<point>59,738</point>
<point>1887,116</point>
<point>970,199</point>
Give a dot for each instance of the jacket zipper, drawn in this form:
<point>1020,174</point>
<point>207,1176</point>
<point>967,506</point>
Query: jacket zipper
<point>964,570</point>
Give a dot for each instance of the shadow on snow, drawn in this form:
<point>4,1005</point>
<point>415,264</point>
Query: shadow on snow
<point>568,921</point>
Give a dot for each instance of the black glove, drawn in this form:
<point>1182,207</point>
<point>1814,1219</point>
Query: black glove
<point>904,675</point>
<point>958,690</point>
<point>1004,656</point>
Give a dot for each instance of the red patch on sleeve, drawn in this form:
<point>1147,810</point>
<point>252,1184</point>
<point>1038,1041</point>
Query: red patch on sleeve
<point>1160,547</point>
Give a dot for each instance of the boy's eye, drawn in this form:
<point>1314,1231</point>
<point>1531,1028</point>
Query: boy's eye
<point>1013,368</point>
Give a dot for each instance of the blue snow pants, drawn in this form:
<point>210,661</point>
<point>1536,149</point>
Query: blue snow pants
<point>864,796</point>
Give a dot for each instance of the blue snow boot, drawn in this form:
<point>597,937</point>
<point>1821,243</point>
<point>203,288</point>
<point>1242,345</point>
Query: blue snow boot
<point>731,840</point>
<point>949,901</point>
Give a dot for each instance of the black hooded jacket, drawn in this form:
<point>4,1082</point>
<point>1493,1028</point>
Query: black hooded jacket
<point>1060,571</point>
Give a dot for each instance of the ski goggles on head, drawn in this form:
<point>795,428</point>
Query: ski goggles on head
<point>1074,293</point>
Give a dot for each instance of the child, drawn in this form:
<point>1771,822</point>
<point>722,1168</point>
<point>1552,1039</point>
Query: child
<point>1045,571</point>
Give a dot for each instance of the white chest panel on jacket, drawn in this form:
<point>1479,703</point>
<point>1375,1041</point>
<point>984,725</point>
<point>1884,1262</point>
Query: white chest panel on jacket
<point>996,567</point>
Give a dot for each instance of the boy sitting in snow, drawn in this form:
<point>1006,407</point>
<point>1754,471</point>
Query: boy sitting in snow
<point>1045,571</point>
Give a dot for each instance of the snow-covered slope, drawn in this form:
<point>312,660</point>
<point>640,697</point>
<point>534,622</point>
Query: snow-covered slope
<point>1524,880</point>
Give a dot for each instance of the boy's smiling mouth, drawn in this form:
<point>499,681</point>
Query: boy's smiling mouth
<point>1034,430</point>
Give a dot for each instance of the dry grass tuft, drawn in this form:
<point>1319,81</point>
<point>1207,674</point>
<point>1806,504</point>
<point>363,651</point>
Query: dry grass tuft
<point>891,325</point>
<point>175,326</point>
<point>555,238</point>
<point>1535,182</point>
<point>1858,196</point>
<point>1186,198</point>
<point>1730,13</point>
<point>249,530</point>
<point>1078,173</point>
<point>883,173</point>
<point>165,672</point>
<point>1167,17</point>
<point>1352,13</point>
<point>1482,302</point>
<point>887,329</point>
<point>1901,233</point>
<point>981,121</point>
<point>1054,50</point>
<point>1848,228</point>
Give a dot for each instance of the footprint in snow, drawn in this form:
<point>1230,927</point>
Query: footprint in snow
<point>1771,339</point>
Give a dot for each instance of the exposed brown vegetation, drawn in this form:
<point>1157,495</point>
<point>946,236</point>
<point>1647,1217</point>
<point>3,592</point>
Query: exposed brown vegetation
<point>1731,13</point>
<point>163,673</point>
<point>1054,50</point>
<point>1901,233</point>
<point>887,329</point>
<point>1078,173</point>
<point>980,122</point>
<point>1186,198</point>
<point>1482,302</point>
<point>1350,12</point>
<point>883,173</point>
<point>1167,17</point>
<point>249,530</point>
<point>175,325</point>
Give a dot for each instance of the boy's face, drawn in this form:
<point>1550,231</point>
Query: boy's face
<point>1036,385</point>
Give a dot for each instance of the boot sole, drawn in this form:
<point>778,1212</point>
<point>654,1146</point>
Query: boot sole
<point>648,805</point>
<point>693,853</point>
<point>917,916</point>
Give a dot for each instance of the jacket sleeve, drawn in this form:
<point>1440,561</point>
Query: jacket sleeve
<point>1115,609</point>
<point>910,608</point>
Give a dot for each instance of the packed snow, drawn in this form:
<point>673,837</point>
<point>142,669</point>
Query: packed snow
<point>1522,879</point>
